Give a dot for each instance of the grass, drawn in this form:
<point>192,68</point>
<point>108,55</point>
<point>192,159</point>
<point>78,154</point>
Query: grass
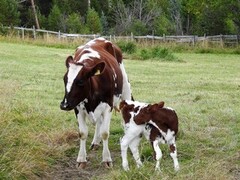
<point>37,140</point>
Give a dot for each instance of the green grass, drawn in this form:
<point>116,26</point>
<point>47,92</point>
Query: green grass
<point>37,139</point>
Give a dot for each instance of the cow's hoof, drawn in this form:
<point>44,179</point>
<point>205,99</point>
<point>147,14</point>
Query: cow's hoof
<point>81,165</point>
<point>108,165</point>
<point>94,147</point>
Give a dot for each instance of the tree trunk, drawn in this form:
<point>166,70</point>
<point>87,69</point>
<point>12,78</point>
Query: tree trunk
<point>35,14</point>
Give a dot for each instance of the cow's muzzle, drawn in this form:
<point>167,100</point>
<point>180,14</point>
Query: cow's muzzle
<point>65,106</point>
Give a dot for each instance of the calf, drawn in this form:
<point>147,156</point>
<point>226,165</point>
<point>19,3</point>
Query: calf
<point>158,124</point>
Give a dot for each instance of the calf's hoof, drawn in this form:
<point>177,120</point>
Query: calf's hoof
<point>81,165</point>
<point>177,168</point>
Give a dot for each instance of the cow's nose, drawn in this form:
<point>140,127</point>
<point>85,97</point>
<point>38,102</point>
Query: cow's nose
<point>64,105</point>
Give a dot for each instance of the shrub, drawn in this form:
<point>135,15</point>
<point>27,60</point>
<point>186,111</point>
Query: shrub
<point>127,47</point>
<point>157,53</point>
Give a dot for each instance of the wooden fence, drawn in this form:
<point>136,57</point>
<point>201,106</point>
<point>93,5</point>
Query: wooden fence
<point>222,40</point>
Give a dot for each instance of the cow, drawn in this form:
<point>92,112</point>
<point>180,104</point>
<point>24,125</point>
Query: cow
<point>157,123</point>
<point>95,83</point>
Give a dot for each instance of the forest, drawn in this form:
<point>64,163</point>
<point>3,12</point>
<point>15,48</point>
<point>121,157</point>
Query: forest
<point>122,17</point>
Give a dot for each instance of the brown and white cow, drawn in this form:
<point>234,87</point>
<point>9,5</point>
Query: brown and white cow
<point>159,125</point>
<point>95,82</point>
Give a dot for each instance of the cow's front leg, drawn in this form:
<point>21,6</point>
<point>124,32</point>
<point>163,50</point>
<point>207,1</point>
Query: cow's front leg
<point>83,133</point>
<point>104,133</point>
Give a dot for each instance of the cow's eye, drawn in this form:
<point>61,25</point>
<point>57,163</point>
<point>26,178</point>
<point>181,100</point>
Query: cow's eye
<point>80,82</point>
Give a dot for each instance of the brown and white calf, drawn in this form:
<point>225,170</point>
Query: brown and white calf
<point>95,82</point>
<point>158,124</point>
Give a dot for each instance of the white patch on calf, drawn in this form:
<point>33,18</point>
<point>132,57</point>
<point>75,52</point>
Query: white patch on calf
<point>73,71</point>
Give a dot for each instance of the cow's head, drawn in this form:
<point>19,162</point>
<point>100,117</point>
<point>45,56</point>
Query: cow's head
<point>76,81</point>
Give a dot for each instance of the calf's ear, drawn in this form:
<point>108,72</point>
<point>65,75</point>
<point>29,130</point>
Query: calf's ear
<point>68,60</point>
<point>122,104</point>
<point>153,108</point>
<point>161,104</point>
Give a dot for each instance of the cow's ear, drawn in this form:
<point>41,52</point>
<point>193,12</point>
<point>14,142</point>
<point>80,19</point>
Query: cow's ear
<point>68,60</point>
<point>97,69</point>
<point>110,49</point>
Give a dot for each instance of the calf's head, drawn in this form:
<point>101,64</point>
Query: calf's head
<point>77,81</point>
<point>145,114</point>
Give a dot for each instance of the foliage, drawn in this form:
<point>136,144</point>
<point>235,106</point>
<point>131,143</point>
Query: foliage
<point>9,14</point>
<point>158,53</point>
<point>122,17</point>
<point>55,19</point>
<point>75,25</point>
<point>93,22</point>
<point>127,47</point>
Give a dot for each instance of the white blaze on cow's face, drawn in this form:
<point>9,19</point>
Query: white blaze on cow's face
<point>73,71</point>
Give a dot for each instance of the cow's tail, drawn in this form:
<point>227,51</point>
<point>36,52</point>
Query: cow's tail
<point>126,90</point>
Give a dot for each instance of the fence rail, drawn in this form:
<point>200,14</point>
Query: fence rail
<point>222,40</point>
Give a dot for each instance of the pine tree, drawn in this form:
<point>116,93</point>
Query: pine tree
<point>54,19</point>
<point>9,14</point>
<point>93,22</point>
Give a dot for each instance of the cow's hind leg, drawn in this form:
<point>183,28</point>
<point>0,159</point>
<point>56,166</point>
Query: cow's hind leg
<point>97,137</point>
<point>83,133</point>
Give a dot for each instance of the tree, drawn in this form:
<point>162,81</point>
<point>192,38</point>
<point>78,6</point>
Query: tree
<point>9,14</point>
<point>104,22</point>
<point>55,19</point>
<point>35,14</point>
<point>75,24</point>
<point>93,22</point>
<point>138,14</point>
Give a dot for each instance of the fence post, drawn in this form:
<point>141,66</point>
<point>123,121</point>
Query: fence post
<point>205,42</point>
<point>131,36</point>
<point>164,38</point>
<point>22,32</point>
<point>47,36</point>
<point>221,41</point>
<point>194,39</point>
<point>238,39</point>
<point>34,32</point>
<point>59,35</point>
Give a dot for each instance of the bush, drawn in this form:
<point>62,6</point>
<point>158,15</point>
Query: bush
<point>157,53</point>
<point>127,47</point>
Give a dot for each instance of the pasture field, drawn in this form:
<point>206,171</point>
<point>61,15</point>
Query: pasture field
<point>39,141</point>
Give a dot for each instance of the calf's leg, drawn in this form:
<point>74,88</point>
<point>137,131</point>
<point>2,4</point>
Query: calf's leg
<point>134,148</point>
<point>158,153</point>
<point>173,154</point>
